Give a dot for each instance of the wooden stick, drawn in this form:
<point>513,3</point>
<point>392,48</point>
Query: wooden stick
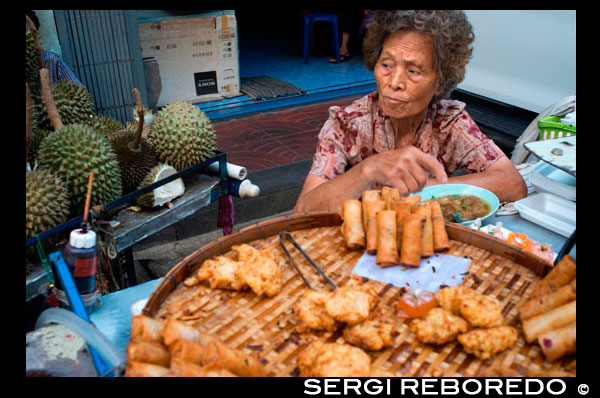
<point>135,145</point>
<point>88,197</point>
<point>53,114</point>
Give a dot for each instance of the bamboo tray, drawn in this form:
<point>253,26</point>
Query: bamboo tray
<point>265,326</point>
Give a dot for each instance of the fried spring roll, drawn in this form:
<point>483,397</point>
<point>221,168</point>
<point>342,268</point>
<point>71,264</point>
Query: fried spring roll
<point>368,196</point>
<point>560,342</point>
<point>427,235</point>
<point>352,227</point>
<point>182,368</point>
<point>187,351</point>
<point>176,330</point>
<point>387,244</point>
<point>560,275</point>
<point>402,208</point>
<point>440,235</point>
<point>413,200</point>
<point>146,329</point>
<point>148,352</point>
<point>547,302</point>
<point>410,255</point>
<point>217,353</point>
<point>141,369</point>
<point>553,319</point>
<point>389,194</point>
<point>373,208</point>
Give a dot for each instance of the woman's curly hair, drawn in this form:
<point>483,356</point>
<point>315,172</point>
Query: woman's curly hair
<point>450,31</point>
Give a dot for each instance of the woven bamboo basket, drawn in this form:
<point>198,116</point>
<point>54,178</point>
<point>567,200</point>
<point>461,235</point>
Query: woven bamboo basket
<point>264,326</point>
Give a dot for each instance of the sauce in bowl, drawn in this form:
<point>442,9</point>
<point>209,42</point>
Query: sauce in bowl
<point>465,207</point>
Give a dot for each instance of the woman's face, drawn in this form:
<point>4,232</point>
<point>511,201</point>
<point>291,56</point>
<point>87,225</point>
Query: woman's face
<point>405,74</point>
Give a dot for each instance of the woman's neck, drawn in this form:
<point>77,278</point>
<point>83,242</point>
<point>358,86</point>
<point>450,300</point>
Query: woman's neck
<point>405,129</point>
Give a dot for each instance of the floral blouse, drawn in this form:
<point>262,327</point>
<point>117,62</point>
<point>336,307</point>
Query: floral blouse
<point>361,129</point>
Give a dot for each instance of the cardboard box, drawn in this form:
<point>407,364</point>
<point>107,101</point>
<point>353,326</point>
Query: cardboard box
<point>197,56</point>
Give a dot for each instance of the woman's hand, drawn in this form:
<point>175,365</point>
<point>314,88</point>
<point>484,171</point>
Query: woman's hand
<point>406,169</point>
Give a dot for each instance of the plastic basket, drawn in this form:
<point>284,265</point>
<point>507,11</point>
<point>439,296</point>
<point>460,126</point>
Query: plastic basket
<point>551,127</point>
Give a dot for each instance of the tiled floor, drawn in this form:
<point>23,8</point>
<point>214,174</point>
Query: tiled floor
<point>274,138</point>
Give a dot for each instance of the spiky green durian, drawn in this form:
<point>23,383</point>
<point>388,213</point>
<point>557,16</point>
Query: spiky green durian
<point>182,135</point>
<point>46,203</point>
<point>31,61</point>
<point>74,104</point>
<point>164,193</point>
<point>72,153</point>
<point>105,124</point>
<point>37,136</point>
<point>135,163</point>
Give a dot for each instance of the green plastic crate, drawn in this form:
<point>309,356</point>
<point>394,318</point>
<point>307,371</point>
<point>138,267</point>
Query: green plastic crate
<point>551,127</point>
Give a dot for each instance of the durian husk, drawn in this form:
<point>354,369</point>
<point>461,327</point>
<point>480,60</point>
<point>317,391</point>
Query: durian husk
<point>182,135</point>
<point>31,61</point>
<point>74,151</point>
<point>164,193</point>
<point>135,163</point>
<point>73,102</point>
<point>105,124</point>
<point>37,136</point>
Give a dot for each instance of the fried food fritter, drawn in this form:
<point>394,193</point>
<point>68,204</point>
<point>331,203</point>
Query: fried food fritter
<point>310,308</point>
<point>372,334</point>
<point>484,343</point>
<point>333,360</point>
<point>450,298</point>
<point>262,272</point>
<point>482,311</point>
<point>438,326</point>
<point>222,273</point>
<point>350,304</point>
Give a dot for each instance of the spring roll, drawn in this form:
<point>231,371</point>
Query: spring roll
<point>182,368</point>
<point>413,200</point>
<point>176,330</point>
<point>146,329</point>
<point>352,227</point>
<point>141,369</point>
<point>148,352</point>
<point>368,196</point>
<point>558,343</point>
<point>187,351</point>
<point>427,235</point>
<point>560,275</point>
<point>373,208</point>
<point>235,361</point>
<point>389,194</point>
<point>440,235</point>
<point>553,319</point>
<point>410,255</point>
<point>402,208</point>
<point>387,244</point>
<point>545,303</point>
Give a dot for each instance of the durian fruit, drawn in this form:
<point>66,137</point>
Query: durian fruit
<point>37,136</point>
<point>72,152</point>
<point>31,60</point>
<point>182,135</point>
<point>135,163</point>
<point>105,124</point>
<point>74,104</point>
<point>163,194</point>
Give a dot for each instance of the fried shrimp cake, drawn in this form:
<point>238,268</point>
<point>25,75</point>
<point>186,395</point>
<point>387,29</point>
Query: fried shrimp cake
<point>482,311</point>
<point>450,298</point>
<point>372,334</point>
<point>333,360</point>
<point>221,273</point>
<point>245,252</point>
<point>310,308</point>
<point>438,326</point>
<point>350,304</point>
<point>484,343</point>
<point>262,272</point>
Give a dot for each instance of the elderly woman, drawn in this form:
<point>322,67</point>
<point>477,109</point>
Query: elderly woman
<point>405,134</point>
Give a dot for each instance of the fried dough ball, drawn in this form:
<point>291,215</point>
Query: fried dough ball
<point>484,343</point>
<point>438,326</point>
<point>450,298</point>
<point>262,272</point>
<point>222,273</point>
<point>310,308</point>
<point>350,304</point>
<point>333,360</point>
<point>482,311</point>
<point>372,334</point>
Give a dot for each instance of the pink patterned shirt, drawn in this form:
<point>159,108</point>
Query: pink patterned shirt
<point>361,129</point>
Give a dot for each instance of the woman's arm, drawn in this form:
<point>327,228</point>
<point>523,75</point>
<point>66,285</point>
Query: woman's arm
<point>502,178</point>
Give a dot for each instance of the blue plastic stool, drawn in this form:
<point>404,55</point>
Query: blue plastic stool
<point>309,19</point>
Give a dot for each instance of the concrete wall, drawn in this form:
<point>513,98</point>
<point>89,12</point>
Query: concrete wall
<point>48,33</point>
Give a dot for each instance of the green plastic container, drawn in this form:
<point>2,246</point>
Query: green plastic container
<point>551,127</point>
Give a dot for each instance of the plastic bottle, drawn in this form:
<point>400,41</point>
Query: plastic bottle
<point>80,254</point>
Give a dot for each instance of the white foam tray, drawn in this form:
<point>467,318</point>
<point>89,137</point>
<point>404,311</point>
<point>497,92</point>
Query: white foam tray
<point>549,211</point>
<point>547,178</point>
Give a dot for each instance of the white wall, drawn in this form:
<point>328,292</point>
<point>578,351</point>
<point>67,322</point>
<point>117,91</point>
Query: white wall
<point>523,58</point>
